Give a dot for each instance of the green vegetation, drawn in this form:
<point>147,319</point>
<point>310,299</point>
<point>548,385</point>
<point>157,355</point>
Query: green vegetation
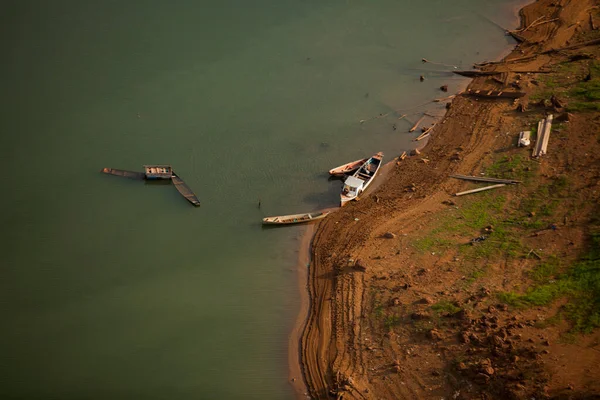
<point>432,242</point>
<point>514,167</point>
<point>445,307</point>
<point>391,320</point>
<point>510,218</point>
<point>475,275</point>
<point>587,94</point>
<point>546,270</point>
<point>580,284</point>
<point>488,210</point>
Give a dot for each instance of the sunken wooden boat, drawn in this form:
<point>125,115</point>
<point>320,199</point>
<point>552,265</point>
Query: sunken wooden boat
<point>185,190</point>
<point>347,168</point>
<point>295,218</point>
<point>157,172</point>
<point>123,173</point>
<point>358,182</point>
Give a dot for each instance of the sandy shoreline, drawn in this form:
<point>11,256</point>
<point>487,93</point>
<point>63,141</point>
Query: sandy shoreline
<point>295,371</point>
<point>330,326</point>
<point>295,374</point>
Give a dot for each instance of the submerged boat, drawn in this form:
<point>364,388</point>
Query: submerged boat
<point>358,182</point>
<point>294,218</point>
<point>157,172</point>
<point>347,168</point>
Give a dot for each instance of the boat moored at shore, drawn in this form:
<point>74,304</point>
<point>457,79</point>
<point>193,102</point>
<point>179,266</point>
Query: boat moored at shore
<point>361,179</point>
<point>347,168</point>
<point>295,218</point>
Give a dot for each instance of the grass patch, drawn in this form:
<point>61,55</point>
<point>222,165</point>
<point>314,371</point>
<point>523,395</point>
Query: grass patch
<point>445,307</point>
<point>544,94</point>
<point>484,211</point>
<point>432,242</point>
<point>391,320</point>
<point>581,284</point>
<point>546,270</point>
<point>587,94</point>
<point>582,106</point>
<point>475,275</point>
<point>508,167</point>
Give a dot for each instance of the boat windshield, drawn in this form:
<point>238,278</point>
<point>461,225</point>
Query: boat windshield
<point>349,190</point>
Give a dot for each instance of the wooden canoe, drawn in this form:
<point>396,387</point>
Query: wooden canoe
<point>294,218</point>
<point>185,190</point>
<point>122,172</point>
<point>347,168</point>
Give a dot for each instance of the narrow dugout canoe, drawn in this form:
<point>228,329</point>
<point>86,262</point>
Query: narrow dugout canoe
<point>294,218</point>
<point>347,168</point>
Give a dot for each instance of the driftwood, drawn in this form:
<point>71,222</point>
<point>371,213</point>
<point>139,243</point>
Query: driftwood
<point>494,94</point>
<point>402,156</point>
<point>480,189</point>
<point>536,23</point>
<point>416,125</point>
<point>484,179</point>
<point>445,98</point>
<point>369,119</point>
<point>517,37</point>
<point>534,253</point>
<point>530,25</point>
<point>517,33</point>
<point>573,46</point>
<point>473,74</point>
<point>425,133</point>
<point>424,60</point>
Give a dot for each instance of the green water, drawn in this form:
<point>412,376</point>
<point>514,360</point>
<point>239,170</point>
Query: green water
<point>118,289</point>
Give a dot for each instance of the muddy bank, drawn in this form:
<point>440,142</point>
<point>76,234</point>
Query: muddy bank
<point>420,322</point>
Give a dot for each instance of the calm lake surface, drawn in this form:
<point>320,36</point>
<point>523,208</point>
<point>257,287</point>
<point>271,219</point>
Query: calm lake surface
<point>119,289</point>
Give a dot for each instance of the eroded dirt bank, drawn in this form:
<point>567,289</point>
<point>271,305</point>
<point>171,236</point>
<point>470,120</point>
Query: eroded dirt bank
<point>404,305</point>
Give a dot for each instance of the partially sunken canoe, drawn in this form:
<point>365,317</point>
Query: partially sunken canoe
<point>347,168</point>
<point>121,172</point>
<point>185,190</point>
<point>294,218</point>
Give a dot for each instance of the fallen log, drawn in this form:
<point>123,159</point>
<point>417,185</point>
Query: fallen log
<point>517,37</point>
<point>479,189</point>
<point>444,98</point>
<point>424,60</point>
<point>534,253</point>
<point>474,74</point>
<point>550,51</point>
<point>484,179</point>
<point>425,133</point>
<point>530,25</point>
<point>416,125</point>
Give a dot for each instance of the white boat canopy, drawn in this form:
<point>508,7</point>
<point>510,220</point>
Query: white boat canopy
<point>354,182</point>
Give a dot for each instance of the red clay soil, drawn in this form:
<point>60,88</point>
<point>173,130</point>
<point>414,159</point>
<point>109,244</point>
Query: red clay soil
<point>375,275</point>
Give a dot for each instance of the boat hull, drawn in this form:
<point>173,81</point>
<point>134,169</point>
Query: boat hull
<point>294,218</point>
<point>365,174</point>
<point>347,168</point>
